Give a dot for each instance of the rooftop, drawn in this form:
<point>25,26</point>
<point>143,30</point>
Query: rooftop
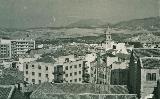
<point>150,62</point>
<point>9,80</point>
<point>5,91</point>
<point>46,59</point>
<point>49,89</point>
<point>146,52</point>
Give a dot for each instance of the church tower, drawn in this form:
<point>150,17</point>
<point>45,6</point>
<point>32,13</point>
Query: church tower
<point>108,38</point>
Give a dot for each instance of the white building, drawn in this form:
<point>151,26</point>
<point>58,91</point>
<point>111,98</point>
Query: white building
<point>5,50</point>
<point>38,72</point>
<point>18,47</point>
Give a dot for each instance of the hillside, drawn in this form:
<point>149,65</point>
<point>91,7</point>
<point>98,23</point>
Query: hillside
<point>87,23</point>
<point>150,24</point>
<point>144,38</point>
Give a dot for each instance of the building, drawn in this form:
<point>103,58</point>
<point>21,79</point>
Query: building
<point>109,44</point>
<point>14,48</point>
<point>79,91</point>
<point>70,70</point>
<point>138,71</point>
<point>67,69</point>
<point>20,47</point>
<point>5,50</point>
<point>10,92</point>
<point>36,72</point>
<point>119,73</point>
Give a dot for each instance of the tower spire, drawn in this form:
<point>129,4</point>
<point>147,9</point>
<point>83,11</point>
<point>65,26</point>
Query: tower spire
<point>108,37</point>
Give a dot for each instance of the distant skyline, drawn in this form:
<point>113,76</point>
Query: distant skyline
<point>43,13</point>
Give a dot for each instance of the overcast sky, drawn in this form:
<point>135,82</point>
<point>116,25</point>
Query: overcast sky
<point>37,13</point>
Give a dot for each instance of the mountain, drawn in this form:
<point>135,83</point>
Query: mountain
<point>146,38</point>
<point>151,24</point>
<point>87,23</point>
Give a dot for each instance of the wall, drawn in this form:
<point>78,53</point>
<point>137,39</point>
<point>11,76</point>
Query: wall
<point>43,72</point>
<point>148,87</point>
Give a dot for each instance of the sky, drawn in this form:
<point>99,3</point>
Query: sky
<point>42,13</point>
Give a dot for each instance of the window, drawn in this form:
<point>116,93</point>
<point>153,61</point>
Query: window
<point>46,68</point>
<point>32,66</point>
<point>39,67</point>
<point>75,73</point>
<point>70,67</point>
<point>33,73</point>
<point>79,79</point>
<point>70,74</point>
<point>26,79</point>
<point>79,72</point>
<point>66,59</point>
<point>153,76</point>
<point>75,80</point>
<point>75,66</point>
<point>47,75</point>
<point>26,66</point>
<point>79,65</point>
<point>26,72</point>
<point>66,75</point>
<point>66,67</point>
<point>39,74</point>
<point>70,80</point>
<point>39,81</point>
<point>33,80</point>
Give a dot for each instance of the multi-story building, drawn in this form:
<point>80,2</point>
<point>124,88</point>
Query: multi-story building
<point>143,72</point>
<point>74,71</point>
<point>38,72</point>
<point>5,50</point>
<point>64,69</point>
<point>14,48</point>
<point>20,47</point>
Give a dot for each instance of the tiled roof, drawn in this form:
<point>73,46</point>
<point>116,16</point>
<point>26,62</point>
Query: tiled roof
<point>46,59</point>
<point>75,88</point>
<point>150,62</point>
<point>6,91</point>
<point>9,80</point>
<point>145,52</point>
<point>14,72</point>
<point>17,94</point>
<point>123,56</point>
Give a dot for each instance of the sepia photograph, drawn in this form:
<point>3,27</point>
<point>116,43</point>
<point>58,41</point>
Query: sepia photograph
<point>79,49</point>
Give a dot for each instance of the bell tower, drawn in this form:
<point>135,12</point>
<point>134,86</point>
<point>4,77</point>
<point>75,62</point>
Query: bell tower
<point>108,38</point>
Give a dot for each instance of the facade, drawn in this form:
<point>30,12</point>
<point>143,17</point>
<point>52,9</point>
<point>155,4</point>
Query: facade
<point>20,47</point>
<point>5,50</point>
<point>71,71</point>
<point>14,48</point>
<point>38,72</point>
<point>119,73</point>
<point>138,82</point>
<point>119,77</point>
<point>148,72</point>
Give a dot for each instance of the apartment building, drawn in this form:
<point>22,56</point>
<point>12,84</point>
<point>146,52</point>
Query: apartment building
<point>71,71</point>
<point>38,72</point>
<point>20,47</point>
<point>5,50</point>
<point>14,48</point>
